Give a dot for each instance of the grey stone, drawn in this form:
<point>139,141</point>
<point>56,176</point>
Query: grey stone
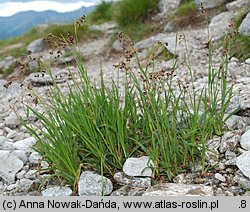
<point>229,141</point>
<point>21,155</point>
<point>117,46</point>
<point>12,120</point>
<point>168,7</point>
<point>240,150</point>
<point>231,158</point>
<point>220,177</point>
<point>170,40</point>
<point>234,59</point>
<point>8,94</point>
<point>39,80</point>
<point>196,167</point>
<point>142,182</point>
<point>212,157</point>
<point>91,184</point>
<point>6,144</point>
<point>244,105</point>
<point>245,140</point>
<point>20,175</point>
<point>184,179</point>
<point>245,26</point>
<point>219,25</point>
<point>123,191</point>
<point>214,143</point>
<point>136,192</point>
<point>10,165</point>
<point>7,63</point>
<point>232,67</point>
<point>138,167</point>
<point>229,155</point>
<point>176,189</point>
<point>31,174</point>
<point>24,184</point>
<point>170,27</point>
<point>243,163</point>
<point>209,3</point>
<point>57,191</point>
<point>128,191</point>
<point>212,154</point>
<point>11,133</point>
<point>221,166</point>
<point>231,162</point>
<point>230,170</point>
<point>238,5</point>
<point>25,144</point>
<point>2,187</point>
<point>107,28</point>
<point>11,187</point>
<point>242,181</point>
<point>232,122</point>
<point>34,157</point>
<point>36,46</point>
<point>247,61</point>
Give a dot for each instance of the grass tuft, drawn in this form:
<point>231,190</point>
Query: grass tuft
<point>237,44</point>
<point>99,126</point>
<point>186,8</point>
<point>134,12</point>
<point>102,13</point>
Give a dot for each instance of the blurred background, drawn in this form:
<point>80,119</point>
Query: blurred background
<point>19,16</point>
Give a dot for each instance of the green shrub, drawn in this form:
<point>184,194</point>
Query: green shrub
<point>102,13</point>
<point>238,44</point>
<point>186,8</point>
<point>130,12</point>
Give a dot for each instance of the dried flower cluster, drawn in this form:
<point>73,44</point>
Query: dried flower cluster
<point>80,21</point>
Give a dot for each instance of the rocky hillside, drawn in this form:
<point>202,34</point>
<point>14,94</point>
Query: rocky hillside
<point>228,156</point>
<point>19,23</point>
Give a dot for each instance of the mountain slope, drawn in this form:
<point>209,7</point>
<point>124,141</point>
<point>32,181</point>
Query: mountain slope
<point>23,21</point>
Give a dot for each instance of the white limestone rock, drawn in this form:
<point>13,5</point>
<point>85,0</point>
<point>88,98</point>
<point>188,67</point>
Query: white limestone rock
<point>138,167</point>
<point>92,184</point>
<point>10,165</point>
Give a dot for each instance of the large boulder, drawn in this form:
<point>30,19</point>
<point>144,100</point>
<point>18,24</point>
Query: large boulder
<point>36,46</point>
<point>238,5</point>
<point>219,25</point>
<point>245,26</point>
<point>168,7</point>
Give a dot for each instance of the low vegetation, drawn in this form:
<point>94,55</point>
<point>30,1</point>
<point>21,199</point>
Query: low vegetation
<point>37,32</point>
<point>103,12</point>
<point>130,16</point>
<point>186,8</point>
<point>97,127</point>
<point>134,12</point>
<point>238,44</point>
